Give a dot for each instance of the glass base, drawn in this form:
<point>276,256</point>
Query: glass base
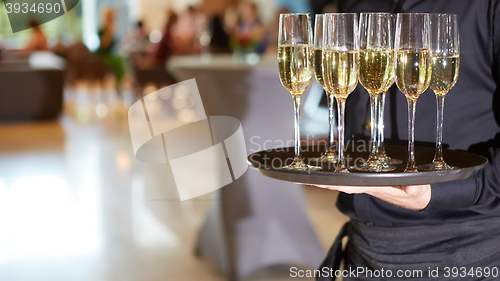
<point>329,156</point>
<point>388,160</point>
<point>436,167</point>
<point>374,166</point>
<point>298,164</point>
<point>341,170</point>
<point>410,170</point>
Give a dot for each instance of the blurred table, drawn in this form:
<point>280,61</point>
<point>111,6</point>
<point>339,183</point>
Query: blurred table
<point>31,86</point>
<point>256,221</point>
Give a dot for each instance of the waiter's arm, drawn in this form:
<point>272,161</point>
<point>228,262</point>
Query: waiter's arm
<point>476,191</point>
<point>415,197</point>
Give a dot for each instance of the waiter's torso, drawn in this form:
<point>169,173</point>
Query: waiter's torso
<point>469,115</point>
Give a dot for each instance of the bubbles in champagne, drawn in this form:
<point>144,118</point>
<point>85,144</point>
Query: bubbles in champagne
<point>295,65</point>
<point>318,66</point>
<point>340,72</point>
<point>413,71</point>
<point>376,70</point>
<point>444,74</point>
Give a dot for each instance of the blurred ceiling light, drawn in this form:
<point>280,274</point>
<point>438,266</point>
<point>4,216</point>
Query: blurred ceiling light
<point>177,103</point>
<point>52,41</point>
<point>205,39</point>
<point>181,91</point>
<point>92,42</point>
<point>187,115</point>
<point>82,114</point>
<point>123,162</point>
<point>101,110</point>
<point>155,36</point>
<point>165,93</point>
<point>149,89</point>
<point>182,102</point>
<point>253,59</point>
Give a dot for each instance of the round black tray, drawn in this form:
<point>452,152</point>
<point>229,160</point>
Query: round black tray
<point>268,162</point>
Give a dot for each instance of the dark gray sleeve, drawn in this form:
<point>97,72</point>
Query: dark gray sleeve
<point>453,195</point>
<point>478,191</point>
<point>483,188</point>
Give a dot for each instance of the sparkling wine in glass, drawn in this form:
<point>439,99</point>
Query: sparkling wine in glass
<point>381,154</point>
<point>376,74</point>
<point>445,64</point>
<point>413,62</point>
<point>340,67</point>
<point>330,154</point>
<point>295,63</point>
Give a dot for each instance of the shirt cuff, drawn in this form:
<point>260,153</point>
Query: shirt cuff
<point>452,195</point>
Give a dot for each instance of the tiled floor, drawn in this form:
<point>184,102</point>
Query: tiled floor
<point>76,205</point>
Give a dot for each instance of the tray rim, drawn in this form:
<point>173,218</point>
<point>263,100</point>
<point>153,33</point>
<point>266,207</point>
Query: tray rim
<point>396,179</point>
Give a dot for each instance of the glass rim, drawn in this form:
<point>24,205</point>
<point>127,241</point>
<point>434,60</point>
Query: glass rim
<point>326,14</point>
<point>377,13</point>
<point>413,14</point>
<point>442,14</point>
<point>295,14</point>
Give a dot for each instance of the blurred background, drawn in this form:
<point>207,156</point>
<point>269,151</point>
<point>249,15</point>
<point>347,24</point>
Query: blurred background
<point>75,204</point>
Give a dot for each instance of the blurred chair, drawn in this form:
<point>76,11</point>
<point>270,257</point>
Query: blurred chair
<point>82,64</point>
<point>157,75</point>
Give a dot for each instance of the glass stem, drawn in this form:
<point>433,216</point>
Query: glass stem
<point>380,126</point>
<point>438,157</point>
<point>331,122</point>
<point>374,104</point>
<point>410,164</point>
<point>296,107</point>
<point>341,167</point>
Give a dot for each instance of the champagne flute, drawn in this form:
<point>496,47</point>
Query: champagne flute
<point>413,60</point>
<point>445,64</point>
<point>381,154</point>
<point>295,63</point>
<point>376,64</point>
<point>340,67</point>
<point>330,154</point>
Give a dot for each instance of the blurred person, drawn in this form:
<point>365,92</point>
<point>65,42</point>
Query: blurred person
<point>38,40</point>
<point>59,49</point>
<point>321,6</point>
<point>135,40</point>
<point>250,30</point>
<point>273,30</point>
<point>140,31</point>
<point>220,39</point>
<point>231,19</point>
<point>165,48</point>
<point>185,32</point>
<point>107,33</point>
